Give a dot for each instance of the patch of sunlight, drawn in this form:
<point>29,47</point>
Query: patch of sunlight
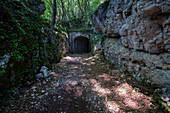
<point>93,81</point>
<point>71,82</point>
<point>89,64</point>
<point>100,90</point>
<point>65,66</point>
<point>82,75</point>
<point>92,63</point>
<point>106,77</point>
<point>92,57</point>
<point>123,90</point>
<point>54,74</point>
<point>132,98</point>
<point>85,82</point>
<point>112,106</point>
<point>34,87</point>
<point>89,58</point>
<point>68,58</point>
<point>74,67</point>
<point>73,59</point>
<point>89,69</point>
<point>131,103</point>
<point>136,95</point>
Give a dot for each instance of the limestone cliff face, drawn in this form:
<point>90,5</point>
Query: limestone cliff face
<point>139,36</point>
<point>142,24</point>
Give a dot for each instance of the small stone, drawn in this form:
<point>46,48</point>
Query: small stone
<point>165,99</point>
<point>28,83</point>
<point>44,82</point>
<point>59,96</point>
<point>34,90</point>
<point>32,102</point>
<point>46,94</point>
<point>43,91</point>
<point>39,84</point>
<point>56,84</point>
<point>118,82</point>
<point>36,104</point>
<point>49,78</point>
<point>47,89</point>
<point>40,97</point>
<point>68,76</point>
<point>32,95</point>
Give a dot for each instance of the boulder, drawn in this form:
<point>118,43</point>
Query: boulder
<point>4,60</point>
<point>44,73</point>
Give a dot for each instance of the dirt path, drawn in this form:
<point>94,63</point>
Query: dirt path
<point>86,84</point>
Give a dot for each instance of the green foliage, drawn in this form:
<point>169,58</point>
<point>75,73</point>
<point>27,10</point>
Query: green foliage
<point>3,71</point>
<point>142,103</point>
<point>94,39</point>
<point>158,99</point>
<point>152,106</point>
<point>69,10</point>
<point>11,91</point>
<point>21,37</point>
<point>80,29</point>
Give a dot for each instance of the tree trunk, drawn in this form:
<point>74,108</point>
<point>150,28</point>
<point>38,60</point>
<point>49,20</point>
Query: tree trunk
<point>79,5</point>
<point>63,10</point>
<point>54,14</point>
<point>68,12</point>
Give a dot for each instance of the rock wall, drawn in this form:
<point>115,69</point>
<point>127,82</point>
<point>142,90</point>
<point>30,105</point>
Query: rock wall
<point>139,37</point>
<point>26,43</point>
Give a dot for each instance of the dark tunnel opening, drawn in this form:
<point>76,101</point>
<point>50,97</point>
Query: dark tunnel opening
<point>81,45</point>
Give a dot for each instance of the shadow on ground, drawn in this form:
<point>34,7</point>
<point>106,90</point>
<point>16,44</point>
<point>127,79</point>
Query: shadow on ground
<point>87,84</point>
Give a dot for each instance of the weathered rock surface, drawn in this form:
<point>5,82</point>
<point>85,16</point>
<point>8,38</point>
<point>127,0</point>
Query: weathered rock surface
<point>44,73</point>
<point>4,60</point>
<point>144,65</point>
<point>142,25</point>
<point>139,37</point>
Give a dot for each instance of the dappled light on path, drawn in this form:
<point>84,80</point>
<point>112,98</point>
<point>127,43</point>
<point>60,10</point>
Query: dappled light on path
<point>87,84</point>
<point>118,95</point>
<point>100,90</point>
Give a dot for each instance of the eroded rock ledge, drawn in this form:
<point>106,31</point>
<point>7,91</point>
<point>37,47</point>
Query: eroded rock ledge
<point>139,37</point>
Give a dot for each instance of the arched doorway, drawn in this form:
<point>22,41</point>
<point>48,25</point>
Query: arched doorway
<point>81,45</point>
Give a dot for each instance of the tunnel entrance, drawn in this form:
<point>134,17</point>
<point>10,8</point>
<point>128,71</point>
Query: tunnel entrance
<point>81,45</point>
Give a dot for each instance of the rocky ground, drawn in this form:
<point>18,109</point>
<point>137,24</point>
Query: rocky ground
<point>86,84</point>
